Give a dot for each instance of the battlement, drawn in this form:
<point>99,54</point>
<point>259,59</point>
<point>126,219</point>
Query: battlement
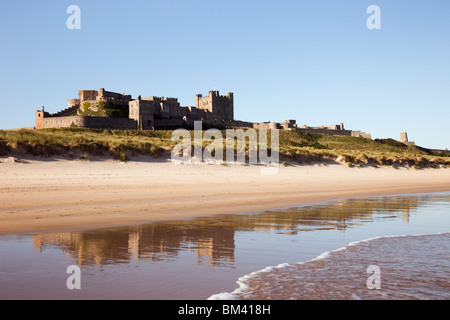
<point>101,95</point>
<point>153,98</point>
<point>219,106</point>
<point>87,95</point>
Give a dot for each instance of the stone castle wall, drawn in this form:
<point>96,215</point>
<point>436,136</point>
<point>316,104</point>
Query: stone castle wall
<point>332,132</point>
<point>109,123</point>
<point>46,122</point>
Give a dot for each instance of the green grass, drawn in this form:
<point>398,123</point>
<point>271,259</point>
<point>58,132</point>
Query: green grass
<point>100,109</point>
<point>295,147</point>
<point>115,143</point>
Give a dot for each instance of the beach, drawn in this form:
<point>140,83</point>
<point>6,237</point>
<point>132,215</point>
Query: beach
<point>319,251</point>
<point>54,195</point>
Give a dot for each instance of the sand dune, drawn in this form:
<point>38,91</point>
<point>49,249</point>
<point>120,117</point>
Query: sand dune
<point>62,195</point>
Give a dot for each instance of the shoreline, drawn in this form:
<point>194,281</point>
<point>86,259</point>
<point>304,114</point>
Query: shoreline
<point>73,195</point>
<point>245,282</point>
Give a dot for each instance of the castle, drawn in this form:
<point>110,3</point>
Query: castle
<point>110,110</point>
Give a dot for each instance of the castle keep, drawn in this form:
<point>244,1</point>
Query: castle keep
<point>110,110</point>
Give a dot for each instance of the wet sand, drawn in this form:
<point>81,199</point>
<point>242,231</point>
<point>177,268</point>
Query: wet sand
<point>63,195</point>
<point>231,256</point>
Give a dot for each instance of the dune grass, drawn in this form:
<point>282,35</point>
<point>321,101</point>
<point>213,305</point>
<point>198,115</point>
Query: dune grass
<point>294,147</point>
<point>116,143</point>
<point>355,151</point>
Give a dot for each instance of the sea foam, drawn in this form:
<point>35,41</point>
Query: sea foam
<point>243,286</point>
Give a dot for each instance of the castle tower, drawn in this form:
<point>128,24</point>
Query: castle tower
<point>71,103</point>
<point>142,112</point>
<point>40,115</point>
<point>403,137</point>
<point>87,95</point>
<point>220,107</point>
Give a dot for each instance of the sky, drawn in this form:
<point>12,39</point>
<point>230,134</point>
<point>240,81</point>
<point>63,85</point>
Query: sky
<point>313,61</point>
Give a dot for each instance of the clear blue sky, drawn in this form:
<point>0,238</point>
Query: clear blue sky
<point>314,61</point>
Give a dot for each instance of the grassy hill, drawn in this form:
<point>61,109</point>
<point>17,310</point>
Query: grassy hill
<point>102,109</point>
<point>295,147</point>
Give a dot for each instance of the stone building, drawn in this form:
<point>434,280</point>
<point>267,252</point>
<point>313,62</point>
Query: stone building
<point>110,110</point>
<point>404,139</point>
<point>147,113</point>
<point>217,106</point>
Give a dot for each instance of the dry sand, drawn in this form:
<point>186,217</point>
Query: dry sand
<point>62,195</point>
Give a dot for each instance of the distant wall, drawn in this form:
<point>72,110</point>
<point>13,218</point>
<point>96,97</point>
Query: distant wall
<point>347,133</point>
<point>167,123</point>
<point>289,126</point>
<point>109,123</point>
<point>238,123</point>
<point>85,122</point>
<point>177,112</point>
<point>62,122</point>
<point>197,114</point>
<point>266,125</point>
<point>361,134</point>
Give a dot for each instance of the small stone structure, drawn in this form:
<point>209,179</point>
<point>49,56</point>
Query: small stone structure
<point>404,139</point>
<point>150,113</point>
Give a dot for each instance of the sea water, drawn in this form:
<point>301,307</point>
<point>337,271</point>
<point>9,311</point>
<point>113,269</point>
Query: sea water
<point>320,251</point>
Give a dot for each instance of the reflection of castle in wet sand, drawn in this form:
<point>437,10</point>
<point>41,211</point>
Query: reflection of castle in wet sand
<point>149,243</point>
<point>212,239</point>
<point>405,215</point>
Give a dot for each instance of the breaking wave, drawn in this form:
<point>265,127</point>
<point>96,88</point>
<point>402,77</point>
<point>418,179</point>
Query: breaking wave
<point>412,267</point>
